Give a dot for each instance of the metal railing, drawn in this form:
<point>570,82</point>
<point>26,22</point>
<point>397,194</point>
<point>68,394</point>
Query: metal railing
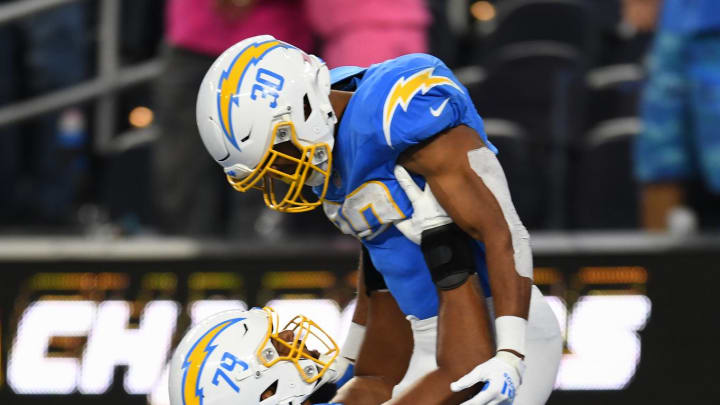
<point>110,78</point>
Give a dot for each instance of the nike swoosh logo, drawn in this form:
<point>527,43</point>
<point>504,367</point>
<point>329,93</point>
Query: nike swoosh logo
<point>437,111</point>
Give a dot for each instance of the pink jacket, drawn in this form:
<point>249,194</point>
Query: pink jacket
<point>197,26</point>
<point>330,17</point>
<point>363,32</point>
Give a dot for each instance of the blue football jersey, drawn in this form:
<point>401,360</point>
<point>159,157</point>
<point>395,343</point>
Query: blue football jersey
<point>396,104</point>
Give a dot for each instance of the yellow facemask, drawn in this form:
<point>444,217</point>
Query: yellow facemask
<point>303,329</point>
<point>265,176</point>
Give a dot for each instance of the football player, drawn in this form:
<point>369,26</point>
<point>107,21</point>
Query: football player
<point>244,357</point>
<point>370,143</point>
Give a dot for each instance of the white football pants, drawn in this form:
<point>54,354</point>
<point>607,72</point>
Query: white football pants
<point>543,343</point>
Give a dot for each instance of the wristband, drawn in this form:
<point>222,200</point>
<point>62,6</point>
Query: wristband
<point>510,333</point>
<point>344,365</point>
<point>353,342</point>
<point>514,361</point>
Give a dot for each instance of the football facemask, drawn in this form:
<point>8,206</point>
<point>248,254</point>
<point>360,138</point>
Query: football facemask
<point>295,171</point>
<point>304,331</point>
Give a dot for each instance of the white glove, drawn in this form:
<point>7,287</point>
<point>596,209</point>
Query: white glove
<point>348,354</point>
<point>427,212</point>
<point>338,368</point>
<point>502,376</point>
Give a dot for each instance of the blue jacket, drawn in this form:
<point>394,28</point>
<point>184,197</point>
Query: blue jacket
<point>690,16</point>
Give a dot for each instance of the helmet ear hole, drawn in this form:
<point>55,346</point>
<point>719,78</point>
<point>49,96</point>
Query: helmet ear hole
<point>307,107</point>
<point>214,139</point>
<point>269,391</point>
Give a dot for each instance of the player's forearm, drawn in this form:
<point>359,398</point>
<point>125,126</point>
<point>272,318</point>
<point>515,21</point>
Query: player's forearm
<point>477,198</point>
<point>510,291</point>
<point>388,342</point>
<point>463,322</point>
<point>507,246</point>
<point>432,389</point>
<point>364,390</point>
<point>463,342</point>
<point>507,262</point>
<point>361,307</point>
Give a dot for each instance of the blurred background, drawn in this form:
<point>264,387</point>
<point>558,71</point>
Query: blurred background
<point>118,231</point>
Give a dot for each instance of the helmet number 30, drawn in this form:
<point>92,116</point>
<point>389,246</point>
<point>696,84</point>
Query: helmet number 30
<point>229,366</point>
<point>267,85</point>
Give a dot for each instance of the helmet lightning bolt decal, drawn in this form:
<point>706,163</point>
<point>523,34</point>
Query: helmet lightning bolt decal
<point>231,78</point>
<point>405,89</point>
<point>195,361</point>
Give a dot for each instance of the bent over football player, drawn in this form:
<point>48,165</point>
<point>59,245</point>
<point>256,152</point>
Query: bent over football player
<point>397,156</point>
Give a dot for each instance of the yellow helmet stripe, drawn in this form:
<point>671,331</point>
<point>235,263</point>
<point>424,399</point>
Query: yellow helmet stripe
<point>195,361</point>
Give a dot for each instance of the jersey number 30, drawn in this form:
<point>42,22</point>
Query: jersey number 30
<point>366,212</point>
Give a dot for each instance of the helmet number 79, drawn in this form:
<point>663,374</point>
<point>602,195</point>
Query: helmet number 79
<point>267,84</point>
<point>230,366</point>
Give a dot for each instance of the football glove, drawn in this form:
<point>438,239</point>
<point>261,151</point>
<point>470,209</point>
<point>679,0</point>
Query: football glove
<point>427,212</point>
<point>502,376</point>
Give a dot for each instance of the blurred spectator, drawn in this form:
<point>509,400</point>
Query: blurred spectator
<point>141,29</point>
<point>190,193</point>
<point>621,38</point>
<point>680,109</point>
<point>641,15</point>
<point>42,164</point>
<point>360,33</point>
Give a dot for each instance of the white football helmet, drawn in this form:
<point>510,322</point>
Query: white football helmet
<point>261,93</point>
<point>234,357</point>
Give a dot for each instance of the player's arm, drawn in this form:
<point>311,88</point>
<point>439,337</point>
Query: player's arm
<point>387,346</point>
<point>469,184</point>
<point>344,366</point>
<point>463,341</point>
<point>452,164</point>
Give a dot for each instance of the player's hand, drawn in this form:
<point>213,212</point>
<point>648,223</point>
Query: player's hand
<point>502,376</point>
<point>427,211</point>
